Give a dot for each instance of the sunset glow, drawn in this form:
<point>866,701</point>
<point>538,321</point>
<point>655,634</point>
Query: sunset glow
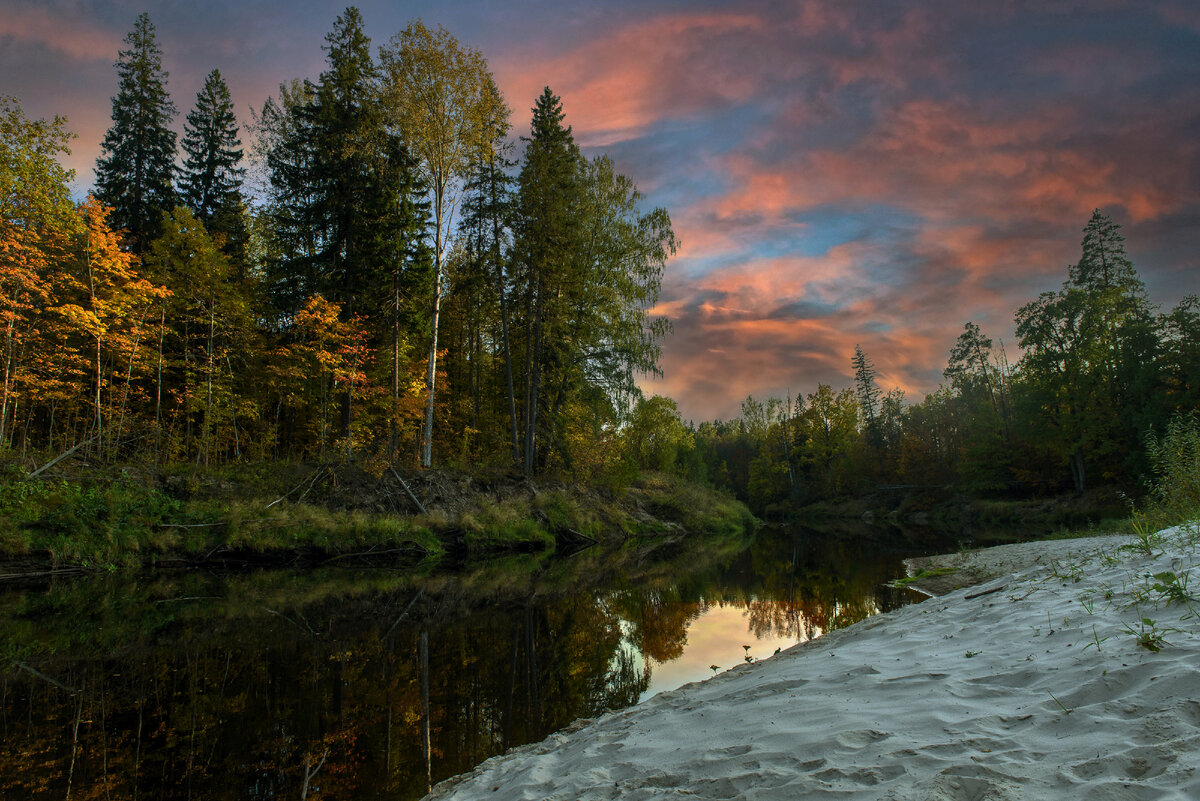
<point>870,173</point>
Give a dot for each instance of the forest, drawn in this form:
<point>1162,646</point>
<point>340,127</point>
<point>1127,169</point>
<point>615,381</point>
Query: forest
<point>381,278</point>
<point>401,290</point>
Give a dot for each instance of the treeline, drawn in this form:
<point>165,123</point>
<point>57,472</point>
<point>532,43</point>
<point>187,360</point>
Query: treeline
<point>1102,374</point>
<point>398,288</point>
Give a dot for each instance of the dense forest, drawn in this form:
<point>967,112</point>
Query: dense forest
<point>380,278</point>
<point>401,289</point>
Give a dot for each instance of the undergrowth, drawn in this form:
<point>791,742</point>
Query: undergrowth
<point>121,519</point>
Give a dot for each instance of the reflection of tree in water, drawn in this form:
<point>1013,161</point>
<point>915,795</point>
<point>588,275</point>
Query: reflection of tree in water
<point>659,620</point>
<point>241,687</point>
<point>246,707</point>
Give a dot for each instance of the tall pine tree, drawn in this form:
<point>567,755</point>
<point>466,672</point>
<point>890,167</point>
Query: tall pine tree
<point>546,227</point>
<point>211,179</point>
<point>137,161</point>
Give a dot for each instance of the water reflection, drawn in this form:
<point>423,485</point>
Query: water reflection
<point>343,684</point>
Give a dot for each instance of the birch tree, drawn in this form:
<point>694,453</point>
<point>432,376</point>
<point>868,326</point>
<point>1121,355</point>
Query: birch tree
<point>443,100</point>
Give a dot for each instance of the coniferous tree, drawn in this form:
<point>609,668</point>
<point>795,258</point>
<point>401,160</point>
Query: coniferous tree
<point>135,171</point>
<point>588,264</point>
<point>1088,349</point>
<point>486,228</point>
<point>344,136</point>
<point>211,179</point>
<point>546,227</point>
<point>865,387</point>
<point>290,215</point>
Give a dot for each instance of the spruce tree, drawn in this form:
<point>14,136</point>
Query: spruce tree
<point>546,227</point>
<point>1103,264</point>
<point>137,161</point>
<point>211,178</point>
<point>865,388</point>
<point>345,128</point>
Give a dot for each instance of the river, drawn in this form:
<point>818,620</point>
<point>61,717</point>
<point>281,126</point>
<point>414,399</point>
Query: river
<point>373,683</point>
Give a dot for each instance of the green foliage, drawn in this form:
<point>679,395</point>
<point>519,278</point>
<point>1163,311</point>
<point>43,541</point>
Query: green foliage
<point>92,525</point>
<point>136,167</point>
<point>655,435</point>
<point>1174,459</point>
<point>210,182</point>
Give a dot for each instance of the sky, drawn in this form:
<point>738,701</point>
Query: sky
<point>839,173</point>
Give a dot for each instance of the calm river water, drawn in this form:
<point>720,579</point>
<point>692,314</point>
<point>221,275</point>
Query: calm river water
<point>371,684</point>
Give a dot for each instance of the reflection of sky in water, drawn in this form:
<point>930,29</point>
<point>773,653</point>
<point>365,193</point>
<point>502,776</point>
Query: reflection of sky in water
<point>716,637</point>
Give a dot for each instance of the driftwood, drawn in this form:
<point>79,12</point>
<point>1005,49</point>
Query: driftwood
<point>44,677</point>
<point>408,547</point>
<point>404,484</point>
<point>320,471</point>
<point>65,454</point>
<point>62,571</point>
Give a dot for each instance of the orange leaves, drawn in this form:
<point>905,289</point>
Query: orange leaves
<point>337,347</point>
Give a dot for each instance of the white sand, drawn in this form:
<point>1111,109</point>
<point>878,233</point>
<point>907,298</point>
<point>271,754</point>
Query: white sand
<point>952,698</point>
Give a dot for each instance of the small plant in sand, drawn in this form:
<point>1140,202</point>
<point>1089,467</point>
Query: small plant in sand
<point>1061,705</point>
<point>1173,588</point>
<point>1087,602</point>
<point>1071,572</point>
<point>1145,539</point>
<point>901,583</point>
<point>1148,635</point>
<point>1096,639</point>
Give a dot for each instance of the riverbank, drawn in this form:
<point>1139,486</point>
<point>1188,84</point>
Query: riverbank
<point>96,519</point>
<point>1073,678</point>
<point>978,519</point>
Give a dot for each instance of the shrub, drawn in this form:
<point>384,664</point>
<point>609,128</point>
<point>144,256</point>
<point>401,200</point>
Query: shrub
<point>1175,470</point>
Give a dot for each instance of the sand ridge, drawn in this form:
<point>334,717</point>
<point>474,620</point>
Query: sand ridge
<point>1038,690</point>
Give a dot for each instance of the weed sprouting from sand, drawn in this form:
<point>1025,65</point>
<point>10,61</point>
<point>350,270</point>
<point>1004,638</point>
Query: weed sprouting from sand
<point>1145,540</point>
<point>1148,635</point>
<point>1087,602</point>
<point>1173,588</point>
<point>1061,705</point>
<point>1072,572</point>
<point>1096,639</point>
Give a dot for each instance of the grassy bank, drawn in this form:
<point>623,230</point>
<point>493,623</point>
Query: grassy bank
<point>117,518</point>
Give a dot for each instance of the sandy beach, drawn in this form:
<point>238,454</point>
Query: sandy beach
<point>1035,679</point>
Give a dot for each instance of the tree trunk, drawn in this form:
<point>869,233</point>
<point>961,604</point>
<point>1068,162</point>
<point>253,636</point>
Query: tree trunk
<point>431,373</point>
<point>508,371</point>
<point>1078,473</point>
<point>532,390</point>
<point>8,361</point>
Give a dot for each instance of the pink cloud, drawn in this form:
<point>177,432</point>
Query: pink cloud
<point>943,160</point>
<point>76,38</point>
<point>616,85</point>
